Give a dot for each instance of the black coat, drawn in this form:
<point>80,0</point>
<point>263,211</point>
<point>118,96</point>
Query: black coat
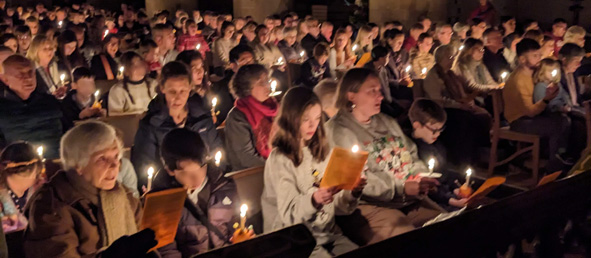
<point>71,109</point>
<point>221,90</point>
<point>312,73</point>
<point>97,68</point>
<point>158,122</point>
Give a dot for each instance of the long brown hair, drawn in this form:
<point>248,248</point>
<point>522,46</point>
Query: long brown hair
<point>287,139</point>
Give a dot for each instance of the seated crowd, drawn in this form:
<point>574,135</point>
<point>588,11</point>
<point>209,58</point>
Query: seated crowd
<point>403,96</point>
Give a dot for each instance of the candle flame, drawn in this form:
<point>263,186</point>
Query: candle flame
<point>408,68</point>
<point>504,75</point>
<point>302,53</point>
<point>198,46</point>
<point>106,33</point>
<point>461,48</point>
<point>355,148</point>
<point>469,172</point>
<point>214,102</point>
<point>355,47</point>
<point>60,23</point>
<point>62,77</point>
<point>218,157</point>
<point>280,60</point>
<point>97,93</point>
<point>424,70</point>
<point>273,85</point>
<point>150,172</point>
<point>40,151</point>
<point>121,69</point>
<point>554,72</point>
<point>431,164</point>
<point>243,210</point>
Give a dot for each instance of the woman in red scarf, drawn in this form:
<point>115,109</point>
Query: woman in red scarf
<point>486,12</point>
<point>249,125</point>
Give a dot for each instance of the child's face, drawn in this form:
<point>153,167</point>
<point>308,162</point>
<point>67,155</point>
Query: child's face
<point>110,25</point>
<point>23,180</point>
<point>137,71</point>
<point>84,86</point>
<point>152,55</point>
<point>192,29</point>
<point>190,174</point>
<point>428,132</point>
<point>322,59</point>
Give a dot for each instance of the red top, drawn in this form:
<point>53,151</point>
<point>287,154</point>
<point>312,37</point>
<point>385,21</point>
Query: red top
<point>558,42</point>
<point>188,42</point>
<point>409,43</point>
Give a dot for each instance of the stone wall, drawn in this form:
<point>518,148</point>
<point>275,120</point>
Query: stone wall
<point>259,9</point>
<point>407,11</point>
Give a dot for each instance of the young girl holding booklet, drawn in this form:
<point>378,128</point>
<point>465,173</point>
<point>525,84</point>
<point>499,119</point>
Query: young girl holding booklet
<point>293,173</point>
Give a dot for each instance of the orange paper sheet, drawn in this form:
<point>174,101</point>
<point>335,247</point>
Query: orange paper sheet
<point>162,213</point>
<point>549,178</point>
<point>365,58</point>
<point>344,168</point>
<point>488,186</point>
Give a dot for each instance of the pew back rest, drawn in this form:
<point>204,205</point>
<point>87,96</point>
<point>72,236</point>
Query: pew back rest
<point>126,124</point>
<point>104,85</point>
<point>249,184</point>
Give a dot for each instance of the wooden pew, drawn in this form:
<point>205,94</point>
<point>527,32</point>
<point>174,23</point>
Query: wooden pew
<point>127,125</point>
<point>485,230</point>
<point>105,85</point>
<point>249,183</point>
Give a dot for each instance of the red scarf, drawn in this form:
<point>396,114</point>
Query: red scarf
<point>260,117</point>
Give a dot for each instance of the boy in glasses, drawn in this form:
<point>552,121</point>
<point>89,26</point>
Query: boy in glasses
<point>428,121</point>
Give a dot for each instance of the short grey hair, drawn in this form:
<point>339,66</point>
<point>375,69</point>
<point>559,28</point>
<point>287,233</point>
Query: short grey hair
<point>80,142</point>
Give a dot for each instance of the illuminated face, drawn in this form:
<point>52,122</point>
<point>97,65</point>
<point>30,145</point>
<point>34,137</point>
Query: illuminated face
<point>310,121</point>
<point>102,168</point>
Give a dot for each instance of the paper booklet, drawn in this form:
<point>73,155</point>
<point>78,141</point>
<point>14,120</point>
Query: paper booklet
<point>344,168</point>
<point>162,213</point>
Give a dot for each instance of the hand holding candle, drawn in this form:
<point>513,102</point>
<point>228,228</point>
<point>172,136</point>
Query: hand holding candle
<point>96,103</point>
<point>241,233</point>
<point>63,79</point>
<point>465,189</point>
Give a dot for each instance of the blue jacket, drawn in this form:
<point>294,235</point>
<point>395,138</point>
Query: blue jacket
<point>36,120</point>
<point>158,122</point>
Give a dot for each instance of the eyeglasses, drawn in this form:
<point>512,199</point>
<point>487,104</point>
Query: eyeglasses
<point>434,131</point>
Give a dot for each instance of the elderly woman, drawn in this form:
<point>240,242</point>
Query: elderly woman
<point>83,211</point>
<point>178,106</point>
<point>468,124</point>
<point>249,124</point>
<point>393,165</point>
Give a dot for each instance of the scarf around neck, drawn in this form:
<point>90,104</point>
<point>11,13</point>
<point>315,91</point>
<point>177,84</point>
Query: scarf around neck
<point>260,117</point>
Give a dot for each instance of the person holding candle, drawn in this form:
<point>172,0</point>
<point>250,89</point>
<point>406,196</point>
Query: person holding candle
<point>27,114</point>
<point>222,46</point>
<point>294,170</point>
<point>42,52</point>
<point>194,60</point>
<point>290,48</point>
<point>265,52</point>
<point>421,60</point>
<point>316,68</point>
<point>363,43</point>
<point>64,213</point>
<point>312,37</point>
<point>103,65</point>
<point>176,107</point>
<point>67,52</point>
<point>393,164</point>
<point>135,91</point>
<point>192,39</point>
<point>212,199</point>
<point>150,53</point>
<point>546,74</point>
<point>398,65</point>
<point>20,176</point>
<point>341,56</point>
<point>249,125</point>
<point>469,65</point>
<point>79,104</point>
<point>493,57</point>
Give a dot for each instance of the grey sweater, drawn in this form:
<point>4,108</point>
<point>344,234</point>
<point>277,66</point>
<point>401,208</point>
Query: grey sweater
<point>287,197</point>
<point>392,156</point>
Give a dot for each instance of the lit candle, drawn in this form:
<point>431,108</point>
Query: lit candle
<point>150,175</point>
<point>63,78</point>
<point>302,53</point>
<point>408,68</point>
<point>424,71</point>
<point>273,86</point>
<point>214,102</point>
<point>96,94</point>
<point>121,70</point>
<point>554,73</point>
<point>243,210</point>
<point>280,61</point>
<point>218,158</point>
<point>355,47</point>
<point>106,33</point>
<point>59,24</point>
<point>431,166</point>
<point>198,46</point>
<point>40,152</point>
<point>461,48</point>
<point>504,76</point>
<point>355,148</point>
<point>468,174</point>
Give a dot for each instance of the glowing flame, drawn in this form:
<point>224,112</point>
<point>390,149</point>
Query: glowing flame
<point>554,73</point>
<point>218,157</point>
<point>280,60</point>
<point>461,48</point>
<point>121,69</point>
<point>431,164</point>
<point>150,172</point>
<point>62,77</point>
<point>40,151</point>
<point>214,102</point>
<point>355,47</point>
<point>469,172</point>
<point>243,210</point>
<point>355,149</point>
<point>97,93</point>
<point>106,33</point>
<point>273,85</point>
<point>198,46</point>
<point>504,75</point>
<point>302,53</point>
<point>408,68</point>
<point>424,70</point>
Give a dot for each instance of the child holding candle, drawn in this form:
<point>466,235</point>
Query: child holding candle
<point>295,168</point>
<point>316,68</point>
<point>420,58</point>
<point>135,91</point>
<point>79,104</point>
<point>543,78</point>
<point>212,200</point>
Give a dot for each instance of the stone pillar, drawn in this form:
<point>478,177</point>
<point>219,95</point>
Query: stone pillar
<point>407,11</point>
<point>259,9</point>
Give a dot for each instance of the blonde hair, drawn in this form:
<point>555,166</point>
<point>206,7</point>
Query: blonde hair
<point>363,32</point>
<point>347,49</point>
<point>547,64</point>
<point>38,42</point>
<point>572,32</point>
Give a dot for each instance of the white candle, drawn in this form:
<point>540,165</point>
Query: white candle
<point>431,166</point>
<point>198,46</point>
<point>63,78</point>
<point>150,175</point>
<point>355,148</point>
<point>218,158</point>
<point>424,71</point>
<point>40,152</point>
<point>243,210</point>
<point>468,174</point>
<point>355,47</point>
<point>302,53</point>
<point>554,73</point>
